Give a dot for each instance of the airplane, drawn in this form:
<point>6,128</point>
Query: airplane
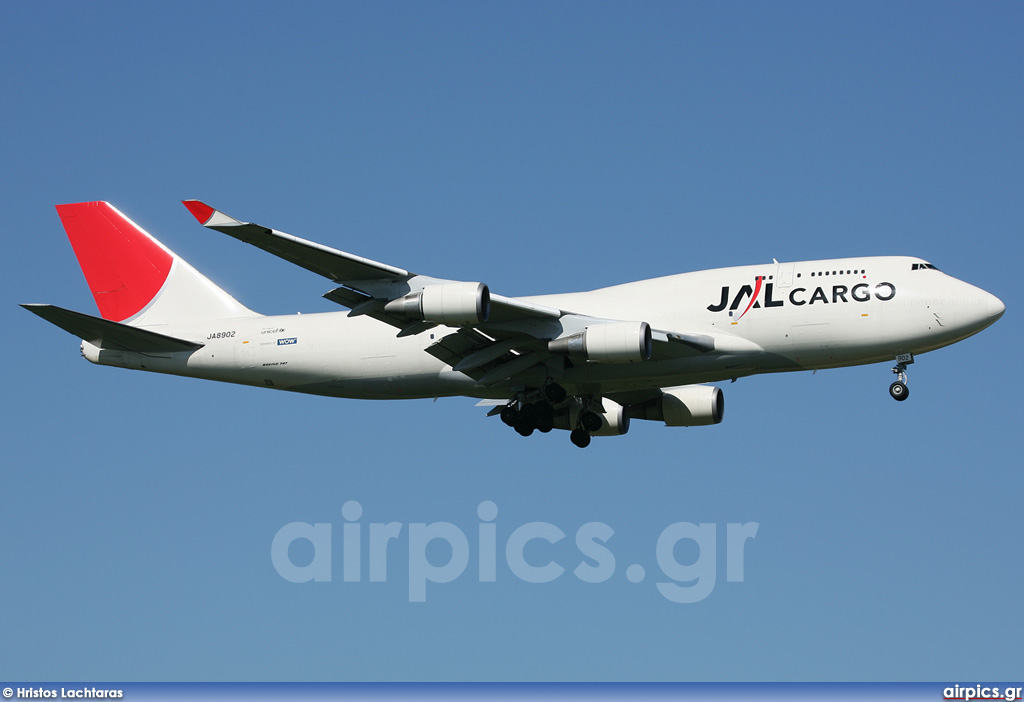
<point>586,362</point>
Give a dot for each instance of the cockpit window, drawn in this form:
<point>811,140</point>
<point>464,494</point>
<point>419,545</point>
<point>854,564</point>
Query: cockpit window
<point>923,266</point>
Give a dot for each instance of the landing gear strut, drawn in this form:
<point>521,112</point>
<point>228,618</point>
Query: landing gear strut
<point>899,389</point>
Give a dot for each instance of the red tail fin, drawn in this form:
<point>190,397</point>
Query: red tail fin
<point>124,266</point>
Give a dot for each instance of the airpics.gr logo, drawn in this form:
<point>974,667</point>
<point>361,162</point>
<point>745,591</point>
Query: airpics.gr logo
<point>537,552</point>
<point>862,292</point>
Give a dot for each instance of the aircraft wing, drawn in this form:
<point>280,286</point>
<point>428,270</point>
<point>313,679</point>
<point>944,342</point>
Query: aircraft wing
<point>363,280</point>
<point>510,337</point>
<point>339,266</point>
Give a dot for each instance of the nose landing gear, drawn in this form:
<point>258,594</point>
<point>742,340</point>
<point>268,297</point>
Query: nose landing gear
<point>899,389</point>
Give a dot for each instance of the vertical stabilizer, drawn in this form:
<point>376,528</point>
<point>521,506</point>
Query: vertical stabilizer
<point>134,278</point>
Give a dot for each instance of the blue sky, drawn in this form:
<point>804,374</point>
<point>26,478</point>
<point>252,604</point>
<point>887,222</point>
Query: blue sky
<point>539,147</point>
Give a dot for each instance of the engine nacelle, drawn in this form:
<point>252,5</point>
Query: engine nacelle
<point>614,342</point>
<point>685,406</point>
<point>614,419</point>
<point>448,303</point>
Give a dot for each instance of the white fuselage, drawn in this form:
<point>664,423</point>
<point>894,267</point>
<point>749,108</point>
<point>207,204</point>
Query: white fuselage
<point>806,315</point>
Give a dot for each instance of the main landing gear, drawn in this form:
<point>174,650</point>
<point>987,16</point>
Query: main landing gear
<point>587,422</point>
<point>899,389</point>
<point>535,411</point>
<point>580,437</point>
<point>525,417</point>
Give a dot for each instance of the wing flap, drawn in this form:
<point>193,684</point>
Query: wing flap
<point>111,334</point>
<point>507,370</point>
<point>486,354</point>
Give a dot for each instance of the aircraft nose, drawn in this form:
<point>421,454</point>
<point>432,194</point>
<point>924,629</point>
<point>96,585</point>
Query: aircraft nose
<point>972,309</point>
<point>995,307</point>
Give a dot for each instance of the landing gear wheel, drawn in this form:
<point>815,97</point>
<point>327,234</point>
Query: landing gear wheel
<point>530,412</point>
<point>510,415</point>
<point>545,418</point>
<point>591,421</point>
<point>524,428</point>
<point>899,391</point>
<point>580,437</point>
<point>555,393</point>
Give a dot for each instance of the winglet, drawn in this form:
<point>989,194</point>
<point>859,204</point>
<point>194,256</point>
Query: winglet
<point>207,216</point>
<point>200,210</point>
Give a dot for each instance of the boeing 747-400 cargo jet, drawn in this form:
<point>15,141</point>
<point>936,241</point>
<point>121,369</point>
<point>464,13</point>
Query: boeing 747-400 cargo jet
<point>587,362</point>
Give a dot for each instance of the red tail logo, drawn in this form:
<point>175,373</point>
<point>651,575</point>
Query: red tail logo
<point>124,266</point>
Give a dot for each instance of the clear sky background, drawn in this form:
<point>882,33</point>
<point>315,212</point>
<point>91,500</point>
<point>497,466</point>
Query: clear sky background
<point>539,147</point>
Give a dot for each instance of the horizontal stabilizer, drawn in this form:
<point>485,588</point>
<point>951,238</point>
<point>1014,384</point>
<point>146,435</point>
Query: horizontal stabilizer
<point>108,334</point>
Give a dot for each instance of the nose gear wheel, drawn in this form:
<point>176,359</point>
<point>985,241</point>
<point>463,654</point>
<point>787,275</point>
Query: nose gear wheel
<point>899,390</point>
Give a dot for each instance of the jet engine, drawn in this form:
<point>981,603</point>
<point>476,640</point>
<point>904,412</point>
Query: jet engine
<point>684,406</point>
<point>613,342</point>
<point>447,303</point>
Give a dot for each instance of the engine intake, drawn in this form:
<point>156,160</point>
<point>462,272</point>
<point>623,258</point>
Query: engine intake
<point>448,303</point>
<point>614,342</point>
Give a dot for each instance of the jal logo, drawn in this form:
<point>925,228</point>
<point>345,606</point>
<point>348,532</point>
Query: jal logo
<point>862,292</point>
<point>288,342</point>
